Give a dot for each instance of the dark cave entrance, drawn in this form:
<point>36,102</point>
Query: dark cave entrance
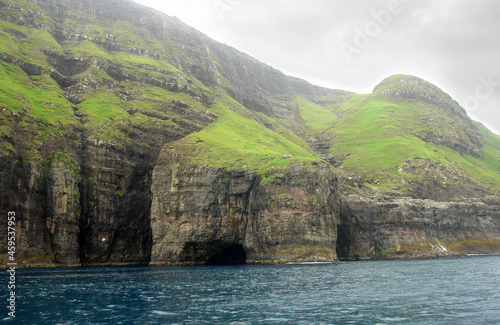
<point>344,233</point>
<point>214,253</point>
<point>229,255</point>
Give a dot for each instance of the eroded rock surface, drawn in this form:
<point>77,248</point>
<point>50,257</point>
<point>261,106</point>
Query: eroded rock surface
<point>383,227</point>
<point>208,215</point>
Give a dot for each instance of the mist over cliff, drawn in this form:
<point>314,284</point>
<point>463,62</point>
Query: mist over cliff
<point>129,137</point>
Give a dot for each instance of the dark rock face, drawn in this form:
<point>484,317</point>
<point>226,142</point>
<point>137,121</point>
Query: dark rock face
<point>63,215</point>
<point>204,215</point>
<point>46,202</point>
<point>22,192</point>
<point>409,228</point>
<point>260,87</point>
<point>115,210</point>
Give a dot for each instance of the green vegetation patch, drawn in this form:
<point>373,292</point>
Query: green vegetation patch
<point>140,60</point>
<point>282,130</point>
<point>475,245</point>
<point>87,50</point>
<point>491,148</point>
<point>103,112</point>
<point>372,140</point>
<point>27,44</point>
<point>317,118</point>
<point>27,11</point>
<point>37,96</point>
<point>378,135</point>
<point>352,101</point>
<point>234,141</point>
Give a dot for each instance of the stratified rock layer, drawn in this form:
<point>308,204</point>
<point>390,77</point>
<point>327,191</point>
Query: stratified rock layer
<point>208,215</point>
<point>384,227</point>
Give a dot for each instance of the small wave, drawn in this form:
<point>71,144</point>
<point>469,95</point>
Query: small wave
<point>276,319</point>
<point>164,313</point>
<point>394,319</point>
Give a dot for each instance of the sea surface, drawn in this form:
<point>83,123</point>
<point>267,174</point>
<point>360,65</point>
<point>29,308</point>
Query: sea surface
<point>445,291</point>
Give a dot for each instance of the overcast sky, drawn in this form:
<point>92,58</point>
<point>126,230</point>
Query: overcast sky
<point>353,45</point>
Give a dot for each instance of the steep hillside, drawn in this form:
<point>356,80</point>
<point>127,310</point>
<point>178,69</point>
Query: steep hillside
<point>91,91</point>
<point>86,107</point>
<point>409,138</point>
<point>129,137</point>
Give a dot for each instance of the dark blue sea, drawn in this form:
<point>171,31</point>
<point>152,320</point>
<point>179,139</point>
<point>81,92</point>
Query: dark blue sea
<point>445,291</point>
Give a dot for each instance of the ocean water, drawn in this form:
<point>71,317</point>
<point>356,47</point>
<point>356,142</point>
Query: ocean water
<point>446,291</point>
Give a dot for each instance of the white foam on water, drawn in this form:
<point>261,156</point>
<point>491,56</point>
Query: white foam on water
<point>398,320</point>
<point>164,313</point>
<point>308,263</point>
<point>492,254</point>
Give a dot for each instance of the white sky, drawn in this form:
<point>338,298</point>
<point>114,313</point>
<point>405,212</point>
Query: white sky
<point>455,44</point>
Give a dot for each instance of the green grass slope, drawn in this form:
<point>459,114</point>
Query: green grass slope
<point>92,83</point>
<point>235,141</point>
<point>391,143</point>
<point>317,119</point>
<point>121,89</point>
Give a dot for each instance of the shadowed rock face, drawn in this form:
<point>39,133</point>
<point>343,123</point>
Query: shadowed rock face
<point>409,228</point>
<point>204,215</point>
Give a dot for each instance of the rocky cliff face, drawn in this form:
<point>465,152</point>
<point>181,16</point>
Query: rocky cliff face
<point>208,215</point>
<point>77,157</point>
<point>63,215</point>
<point>114,221</point>
<point>383,227</point>
<point>23,191</point>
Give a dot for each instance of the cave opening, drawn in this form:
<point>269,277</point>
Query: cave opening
<point>344,233</point>
<point>214,253</point>
<point>232,254</point>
